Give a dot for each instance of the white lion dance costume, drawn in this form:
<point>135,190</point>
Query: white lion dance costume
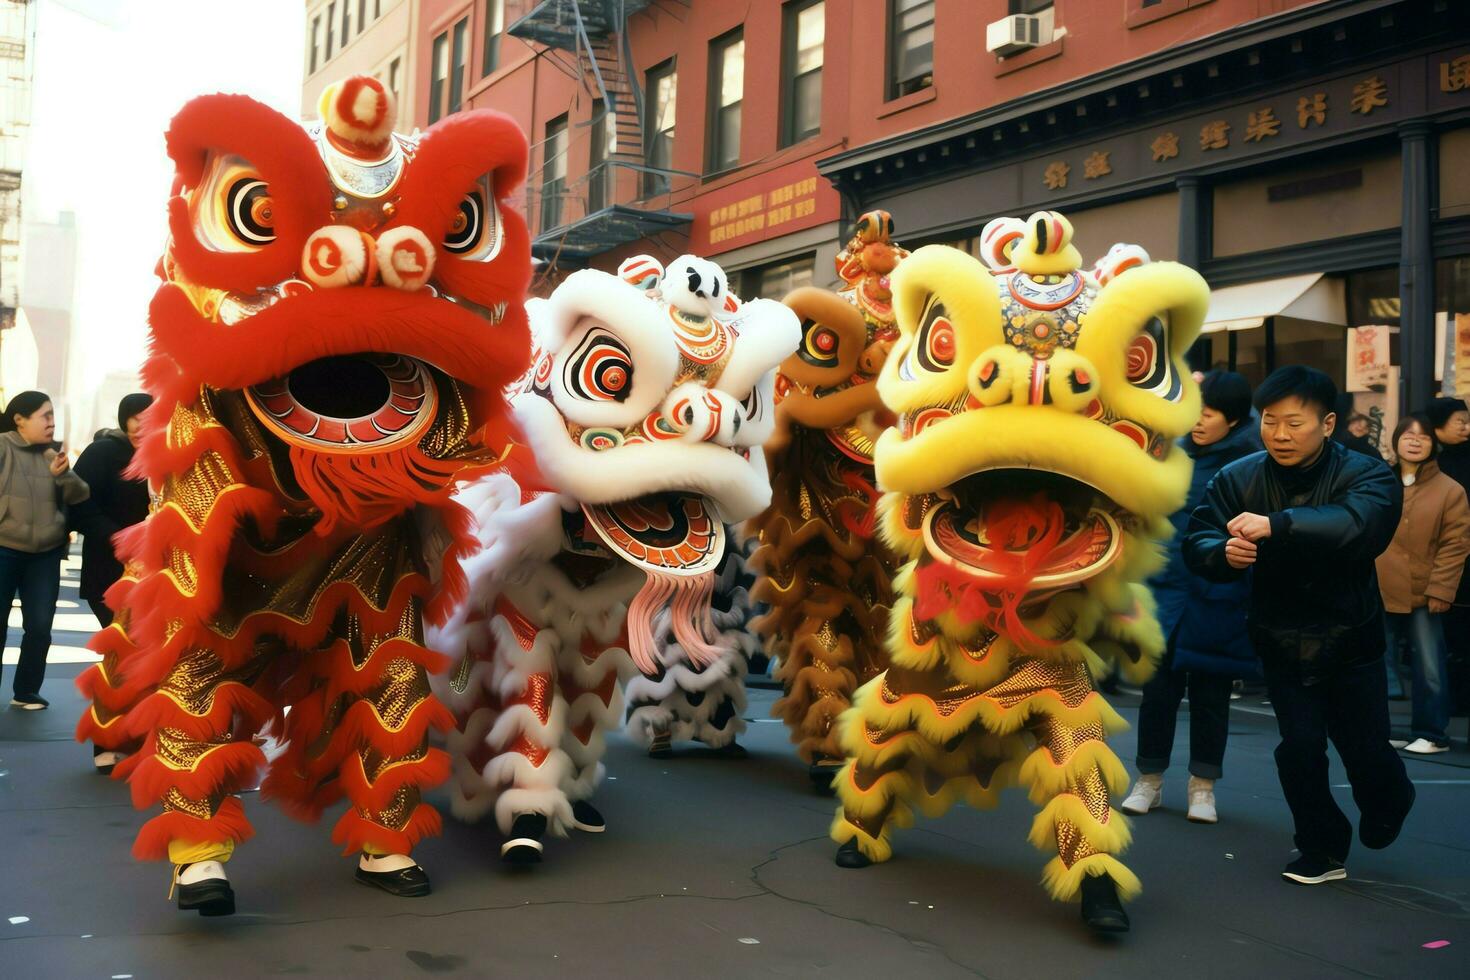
<point>1028,481</point>
<point>646,408</point>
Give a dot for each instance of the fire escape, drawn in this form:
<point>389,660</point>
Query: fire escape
<point>588,40</point>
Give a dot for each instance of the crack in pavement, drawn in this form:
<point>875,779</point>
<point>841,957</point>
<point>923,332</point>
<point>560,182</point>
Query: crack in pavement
<point>917,943</point>
<point>1298,953</point>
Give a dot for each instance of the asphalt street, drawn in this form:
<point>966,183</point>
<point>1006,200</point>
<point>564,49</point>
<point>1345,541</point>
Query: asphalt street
<point>717,868</point>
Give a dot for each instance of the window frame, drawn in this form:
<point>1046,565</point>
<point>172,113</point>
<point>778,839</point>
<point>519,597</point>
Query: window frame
<point>790,48</point>
<point>438,83</point>
<point>346,23</point>
<point>719,49</point>
<point>553,189</point>
<point>314,46</point>
<point>601,187</point>
<point>897,88</point>
<point>331,30</point>
<point>459,64</point>
<point>657,183</point>
<point>494,31</point>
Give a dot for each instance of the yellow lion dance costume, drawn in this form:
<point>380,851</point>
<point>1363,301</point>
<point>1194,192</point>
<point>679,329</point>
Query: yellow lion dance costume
<point>1027,484</point>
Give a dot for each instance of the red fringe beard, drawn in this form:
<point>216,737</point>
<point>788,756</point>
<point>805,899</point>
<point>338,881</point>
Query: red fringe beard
<point>364,490</point>
<point>1024,535</point>
<point>689,617</point>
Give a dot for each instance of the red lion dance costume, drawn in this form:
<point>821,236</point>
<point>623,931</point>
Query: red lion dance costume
<point>1028,480</point>
<point>340,312</point>
<point>825,575</point>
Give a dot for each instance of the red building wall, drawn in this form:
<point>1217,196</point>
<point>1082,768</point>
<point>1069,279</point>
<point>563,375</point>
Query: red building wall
<point>1098,34</point>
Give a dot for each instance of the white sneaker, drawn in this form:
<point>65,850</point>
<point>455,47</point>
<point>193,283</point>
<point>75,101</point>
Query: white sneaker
<point>1202,800</point>
<point>202,871</point>
<point>1148,793</point>
<point>1398,743</point>
<point>1423,746</point>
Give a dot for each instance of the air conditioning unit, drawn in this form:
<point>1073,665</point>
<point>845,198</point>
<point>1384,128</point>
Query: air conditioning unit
<point>1017,33</point>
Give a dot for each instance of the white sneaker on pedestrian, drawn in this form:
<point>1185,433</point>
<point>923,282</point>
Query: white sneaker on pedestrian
<point>1423,746</point>
<point>1202,800</point>
<point>1148,793</point>
<point>1398,743</point>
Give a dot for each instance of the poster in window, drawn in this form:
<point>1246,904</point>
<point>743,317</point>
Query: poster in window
<point>1367,359</point>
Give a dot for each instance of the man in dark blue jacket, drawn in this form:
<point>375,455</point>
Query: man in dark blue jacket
<point>1309,517</point>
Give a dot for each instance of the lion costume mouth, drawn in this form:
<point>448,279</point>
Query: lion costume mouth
<point>1054,530</point>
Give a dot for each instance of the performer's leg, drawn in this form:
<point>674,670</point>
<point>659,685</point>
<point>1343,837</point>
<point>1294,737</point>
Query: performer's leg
<point>875,783</point>
<point>819,677</point>
<point>384,777</point>
<point>1072,773</point>
<point>589,688</point>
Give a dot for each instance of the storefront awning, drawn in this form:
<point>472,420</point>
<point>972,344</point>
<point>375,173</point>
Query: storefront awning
<point>1312,297</point>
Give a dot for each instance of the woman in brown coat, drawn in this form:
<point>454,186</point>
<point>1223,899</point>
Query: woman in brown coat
<point>1419,573</point>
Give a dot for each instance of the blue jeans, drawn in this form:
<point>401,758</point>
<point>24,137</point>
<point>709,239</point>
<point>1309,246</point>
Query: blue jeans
<point>37,577</point>
<point>1428,659</point>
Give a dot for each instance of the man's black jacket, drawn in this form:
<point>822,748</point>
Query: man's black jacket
<point>116,503</point>
<point>1314,598</point>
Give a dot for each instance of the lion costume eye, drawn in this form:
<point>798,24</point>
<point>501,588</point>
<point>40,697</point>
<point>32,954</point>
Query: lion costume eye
<point>248,211</point>
<point>475,232</point>
<point>819,344</point>
<point>1147,362</point>
<point>599,369</point>
<point>935,345</point>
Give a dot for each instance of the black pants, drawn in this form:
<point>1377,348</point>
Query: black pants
<point>37,579</point>
<point>1457,649</point>
<point>1209,719</point>
<point>100,610</point>
<point>1351,709</point>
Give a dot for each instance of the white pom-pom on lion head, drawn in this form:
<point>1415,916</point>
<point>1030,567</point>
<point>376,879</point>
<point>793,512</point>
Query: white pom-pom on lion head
<point>696,286</point>
<point>358,113</point>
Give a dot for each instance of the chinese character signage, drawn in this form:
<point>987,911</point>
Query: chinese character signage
<point>1351,101</point>
<point>787,199</point>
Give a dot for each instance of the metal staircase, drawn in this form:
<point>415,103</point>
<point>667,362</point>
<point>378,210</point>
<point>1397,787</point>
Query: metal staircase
<point>594,33</point>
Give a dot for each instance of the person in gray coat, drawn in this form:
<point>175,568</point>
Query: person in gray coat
<point>36,488</point>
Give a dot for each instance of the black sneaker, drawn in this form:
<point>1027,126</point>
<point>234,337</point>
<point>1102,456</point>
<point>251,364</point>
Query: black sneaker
<point>586,818</point>
<point>210,896</point>
<point>29,702</point>
<point>848,856</point>
<point>524,844</point>
<point>410,882</point>
<point>1102,909</point>
<point>1314,871</point>
<point>1379,835</point>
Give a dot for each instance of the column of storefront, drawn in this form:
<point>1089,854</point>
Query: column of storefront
<point>1416,265</point>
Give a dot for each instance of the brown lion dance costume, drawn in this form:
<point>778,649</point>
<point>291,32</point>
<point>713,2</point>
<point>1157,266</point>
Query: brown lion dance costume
<point>824,574</point>
<point>1028,480</point>
<point>341,309</point>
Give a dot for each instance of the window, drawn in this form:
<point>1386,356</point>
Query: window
<point>346,22</point>
<point>553,173</point>
<point>331,22</point>
<point>377,9</point>
<point>774,281</point>
<point>727,90</point>
<point>658,135</point>
<point>316,44</point>
<point>911,46</point>
<point>494,27</point>
<point>803,33</point>
<point>601,176</point>
<point>1044,10</point>
<point>461,63</point>
<point>394,75</point>
<point>361,15</point>
<point>439,77</point>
